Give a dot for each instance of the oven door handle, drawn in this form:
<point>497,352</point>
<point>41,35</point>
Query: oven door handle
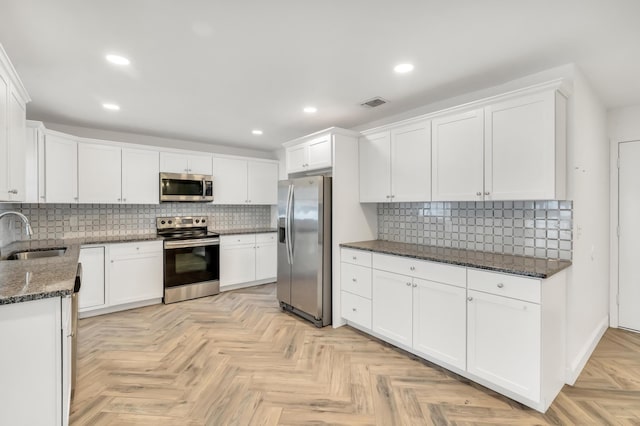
<point>192,243</point>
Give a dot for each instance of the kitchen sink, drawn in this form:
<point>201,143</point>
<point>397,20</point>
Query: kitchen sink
<point>37,253</point>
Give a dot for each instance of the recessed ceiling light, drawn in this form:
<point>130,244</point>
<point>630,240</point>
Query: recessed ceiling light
<point>111,107</point>
<point>256,132</point>
<point>310,109</point>
<point>118,60</point>
<point>403,68</point>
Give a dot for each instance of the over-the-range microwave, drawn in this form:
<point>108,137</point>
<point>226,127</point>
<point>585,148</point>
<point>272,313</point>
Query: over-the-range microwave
<point>185,187</point>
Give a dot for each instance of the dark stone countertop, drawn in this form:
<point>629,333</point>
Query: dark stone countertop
<point>511,264</point>
<point>33,279</point>
<point>244,231</point>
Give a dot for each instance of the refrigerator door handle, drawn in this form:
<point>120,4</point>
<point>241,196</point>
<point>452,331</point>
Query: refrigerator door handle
<point>287,226</point>
<point>289,229</point>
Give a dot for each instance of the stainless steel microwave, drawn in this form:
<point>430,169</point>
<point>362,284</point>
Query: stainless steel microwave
<point>185,187</point>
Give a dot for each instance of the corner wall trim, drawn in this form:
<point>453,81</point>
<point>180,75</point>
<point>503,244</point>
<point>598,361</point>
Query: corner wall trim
<point>577,364</point>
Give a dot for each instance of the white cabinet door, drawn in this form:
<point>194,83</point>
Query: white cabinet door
<point>266,260</point>
<point>262,183</point>
<point>237,264</point>
<point>319,156</point>
<point>140,176</point>
<point>17,153</point>
<point>4,136</point>
<point>439,322</point>
<point>229,181</point>
<point>297,157</point>
<point>33,140</point>
<point>391,306</point>
<point>92,290</point>
<point>503,342</point>
<point>411,162</point>
<point>134,277</point>
<point>200,165</point>
<point>375,167</point>
<point>171,162</point>
<point>458,150</point>
<point>61,170</point>
<point>99,174</point>
<point>520,141</point>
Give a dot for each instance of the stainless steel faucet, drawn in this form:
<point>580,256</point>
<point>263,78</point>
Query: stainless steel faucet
<point>25,220</point>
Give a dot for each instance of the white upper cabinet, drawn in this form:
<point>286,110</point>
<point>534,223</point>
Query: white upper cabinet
<point>458,148</point>
<point>13,100</point>
<point>239,181</point>
<point>99,174</point>
<point>171,162</point>
<point>61,170</point>
<point>395,165</point>
<point>524,148</point>
<point>262,182</point>
<point>140,176</point>
<point>311,155</point>
<point>229,181</point>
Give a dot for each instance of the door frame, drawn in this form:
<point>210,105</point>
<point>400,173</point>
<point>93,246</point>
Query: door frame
<point>614,259</point>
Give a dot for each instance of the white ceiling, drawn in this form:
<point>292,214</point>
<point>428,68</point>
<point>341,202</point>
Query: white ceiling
<point>213,70</point>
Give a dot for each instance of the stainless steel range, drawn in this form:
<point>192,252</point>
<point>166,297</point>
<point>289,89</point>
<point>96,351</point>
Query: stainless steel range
<point>191,258</point>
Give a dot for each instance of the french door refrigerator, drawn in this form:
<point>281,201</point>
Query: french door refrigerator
<point>304,248</point>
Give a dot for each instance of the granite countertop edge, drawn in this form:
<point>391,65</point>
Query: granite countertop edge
<point>244,231</point>
<point>527,272</point>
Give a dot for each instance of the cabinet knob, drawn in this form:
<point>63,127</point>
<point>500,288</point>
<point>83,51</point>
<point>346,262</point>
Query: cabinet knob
<point>124,200</point>
<point>415,285</point>
<point>119,199</point>
<point>13,191</point>
<point>137,248</point>
<point>469,298</point>
<point>112,261</point>
<point>500,285</point>
<point>408,284</point>
<point>354,258</point>
<point>248,201</point>
<point>354,309</point>
<point>413,268</point>
<point>487,193</point>
<point>43,197</point>
<point>75,198</point>
<point>257,246</point>
<point>393,196</point>
<point>354,280</point>
<point>478,194</point>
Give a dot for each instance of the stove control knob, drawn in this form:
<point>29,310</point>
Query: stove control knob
<point>170,222</point>
<point>197,220</point>
<point>203,220</point>
<point>162,222</point>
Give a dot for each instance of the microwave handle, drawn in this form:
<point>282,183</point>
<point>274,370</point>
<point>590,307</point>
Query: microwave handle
<point>204,188</point>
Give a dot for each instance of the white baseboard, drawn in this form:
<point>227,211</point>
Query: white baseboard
<point>117,308</point>
<point>574,368</point>
<point>245,285</point>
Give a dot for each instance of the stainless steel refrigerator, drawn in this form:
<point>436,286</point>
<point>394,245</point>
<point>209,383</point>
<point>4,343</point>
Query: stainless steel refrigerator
<point>304,248</point>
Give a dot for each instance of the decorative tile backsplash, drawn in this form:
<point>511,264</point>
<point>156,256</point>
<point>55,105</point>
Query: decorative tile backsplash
<point>530,228</point>
<point>84,220</point>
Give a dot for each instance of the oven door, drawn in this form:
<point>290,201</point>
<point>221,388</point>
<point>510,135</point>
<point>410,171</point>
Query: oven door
<point>185,187</point>
<point>191,261</point>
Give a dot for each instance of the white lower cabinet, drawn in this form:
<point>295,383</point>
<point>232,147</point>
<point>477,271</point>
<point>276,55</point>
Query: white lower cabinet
<point>504,331</point>
<point>247,259</point>
<point>503,342</point>
<point>136,272</point>
<point>120,276</point>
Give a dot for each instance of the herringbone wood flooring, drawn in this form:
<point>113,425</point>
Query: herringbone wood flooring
<point>236,358</point>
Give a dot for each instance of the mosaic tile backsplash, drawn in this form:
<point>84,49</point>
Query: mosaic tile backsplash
<point>57,221</point>
<point>530,228</point>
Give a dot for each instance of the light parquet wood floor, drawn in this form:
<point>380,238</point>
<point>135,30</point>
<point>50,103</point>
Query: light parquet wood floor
<point>236,358</point>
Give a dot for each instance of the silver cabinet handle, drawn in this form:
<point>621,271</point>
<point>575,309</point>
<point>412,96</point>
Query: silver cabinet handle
<point>13,191</point>
<point>119,199</point>
<point>354,258</point>
<point>354,309</point>
<point>478,193</point>
<point>415,285</point>
<point>500,285</point>
<point>75,198</point>
<point>487,193</point>
<point>409,284</point>
<point>112,261</point>
<point>413,268</point>
<point>388,196</point>
<point>393,196</point>
<point>354,280</point>
<point>469,298</point>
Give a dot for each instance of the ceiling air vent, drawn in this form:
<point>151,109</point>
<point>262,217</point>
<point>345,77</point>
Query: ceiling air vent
<point>372,103</point>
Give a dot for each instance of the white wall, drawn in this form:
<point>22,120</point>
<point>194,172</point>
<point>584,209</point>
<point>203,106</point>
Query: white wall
<point>588,187</point>
<point>110,135</point>
<point>624,123</point>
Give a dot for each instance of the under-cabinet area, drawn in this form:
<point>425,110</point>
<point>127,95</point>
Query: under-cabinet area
<point>504,331</point>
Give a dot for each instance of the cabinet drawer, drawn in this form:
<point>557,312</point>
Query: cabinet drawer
<point>357,257</point>
<point>266,238</point>
<point>132,249</point>
<point>356,309</point>
<point>505,285</point>
<point>238,239</point>
<point>356,279</point>
<point>432,271</point>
